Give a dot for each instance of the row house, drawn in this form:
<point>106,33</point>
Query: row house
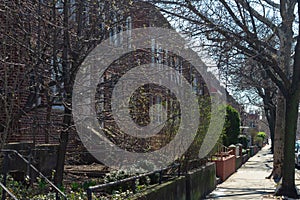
<point>41,122</point>
<point>148,95</point>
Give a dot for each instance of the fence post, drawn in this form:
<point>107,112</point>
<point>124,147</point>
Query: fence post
<point>89,194</point>
<point>160,176</point>
<point>5,169</point>
<point>57,196</point>
<point>134,185</point>
<point>28,171</point>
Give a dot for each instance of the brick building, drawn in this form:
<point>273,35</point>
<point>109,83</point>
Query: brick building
<point>35,120</point>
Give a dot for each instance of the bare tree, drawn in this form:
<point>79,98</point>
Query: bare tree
<point>250,84</point>
<point>49,40</point>
<point>13,67</point>
<point>84,25</point>
<point>258,30</point>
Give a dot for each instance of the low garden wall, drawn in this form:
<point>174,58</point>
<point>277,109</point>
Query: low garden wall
<point>193,186</point>
<point>198,183</point>
<point>201,182</point>
<point>238,162</point>
<point>245,158</point>
<point>15,163</point>
<point>171,190</point>
<point>225,166</point>
<point>253,150</point>
<point>44,158</point>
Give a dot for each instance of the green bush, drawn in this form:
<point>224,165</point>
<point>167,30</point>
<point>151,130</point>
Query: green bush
<point>243,140</point>
<point>259,138</point>
<point>262,135</point>
<point>40,190</point>
<point>244,151</point>
<point>231,128</point>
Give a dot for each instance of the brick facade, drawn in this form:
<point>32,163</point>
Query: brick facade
<point>41,125</point>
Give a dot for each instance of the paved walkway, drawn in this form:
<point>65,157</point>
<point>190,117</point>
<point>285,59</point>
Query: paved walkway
<point>249,181</point>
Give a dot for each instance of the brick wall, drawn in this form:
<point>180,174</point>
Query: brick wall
<point>225,166</point>
<point>32,125</point>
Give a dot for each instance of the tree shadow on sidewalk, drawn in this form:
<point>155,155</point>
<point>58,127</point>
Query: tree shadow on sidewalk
<point>238,193</point>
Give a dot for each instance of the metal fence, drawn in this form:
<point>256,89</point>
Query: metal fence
<point>5,191</point>
<point>131,180</point>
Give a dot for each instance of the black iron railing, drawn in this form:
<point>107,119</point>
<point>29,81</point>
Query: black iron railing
<point>30,166</point>
<point>132,180</point>
<point>5,190</point>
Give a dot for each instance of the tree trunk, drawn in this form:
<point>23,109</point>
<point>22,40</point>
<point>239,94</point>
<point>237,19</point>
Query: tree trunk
<point>272,123</point>
<point>270,112</point>
<point>48,118</point>
<point>278,139</point>
<point>291,95</point>
<point>288,181</point>
<point>64,135</point>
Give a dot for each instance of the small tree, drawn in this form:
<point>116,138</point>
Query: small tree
<point>261,135</point>
<point>259,138</point>
<point>243,140</point>
<point>231,129</point>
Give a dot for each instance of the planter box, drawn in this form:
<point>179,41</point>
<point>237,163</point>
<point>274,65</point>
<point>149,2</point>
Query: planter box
<point>225,166</point>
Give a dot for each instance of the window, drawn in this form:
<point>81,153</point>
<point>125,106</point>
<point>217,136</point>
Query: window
<point>171,65</point>
<point>201,89</point>
<point>72,10</point>
<point>159,109</point>
<point>57,86</point>
<point>178,68</point>
<point>152,52</point>
<point>100,99</point>
<point>59,6</point>
<point>166,57</point>
<point>159,54</point>
<point>86,16</point>
<point>194,85</point>
<point>35,98</point>
<point>116,29</point>
<point>129,30</point>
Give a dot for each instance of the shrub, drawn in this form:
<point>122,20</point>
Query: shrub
<point>259,138</point>
<point>261,135</point>
<point>231,129</point>
<point>243,140</point>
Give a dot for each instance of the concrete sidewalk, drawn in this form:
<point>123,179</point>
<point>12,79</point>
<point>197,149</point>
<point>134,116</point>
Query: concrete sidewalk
<point>249,181</point>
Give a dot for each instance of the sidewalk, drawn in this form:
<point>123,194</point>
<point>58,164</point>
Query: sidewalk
<point>249,181</point>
